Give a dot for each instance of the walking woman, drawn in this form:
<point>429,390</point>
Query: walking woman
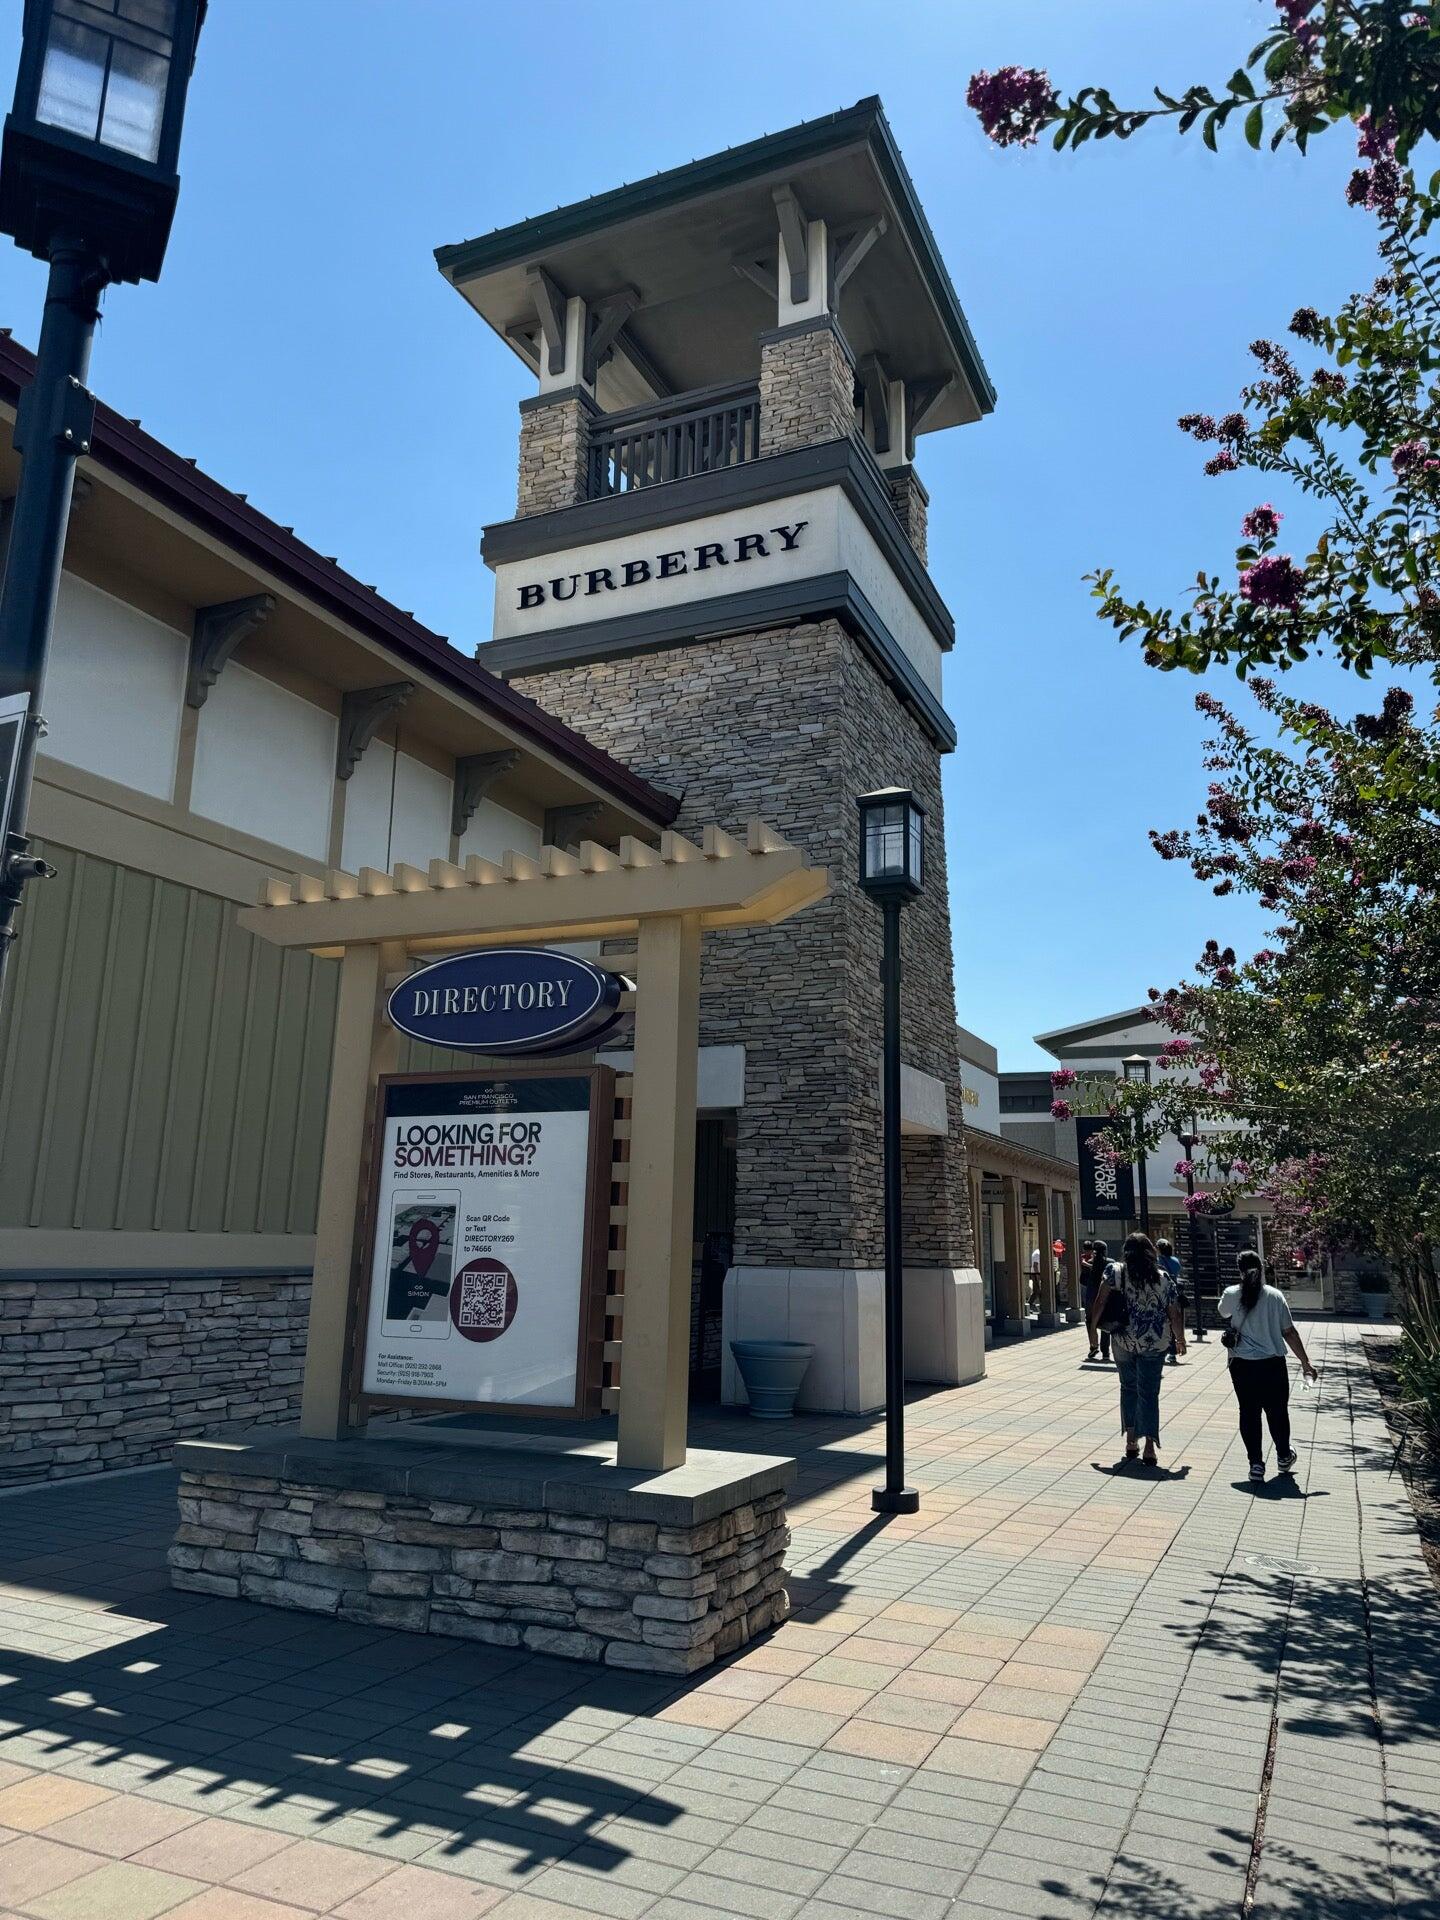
<point>1258,1330</point>
<point>1094,1260</point>
<point>1152,1315</point>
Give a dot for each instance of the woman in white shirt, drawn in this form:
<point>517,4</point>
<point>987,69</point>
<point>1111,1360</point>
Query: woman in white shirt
<point>1258,1331</point>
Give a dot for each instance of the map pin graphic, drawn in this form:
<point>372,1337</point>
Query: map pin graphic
<point>424,1241</point>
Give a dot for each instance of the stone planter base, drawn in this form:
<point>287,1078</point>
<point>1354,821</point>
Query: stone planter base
<point>561,1552</point>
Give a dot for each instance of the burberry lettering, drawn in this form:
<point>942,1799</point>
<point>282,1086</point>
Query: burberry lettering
<point>705,557</point>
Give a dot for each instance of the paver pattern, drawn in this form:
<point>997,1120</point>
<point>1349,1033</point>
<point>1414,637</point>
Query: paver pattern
<point>1051,1693</point>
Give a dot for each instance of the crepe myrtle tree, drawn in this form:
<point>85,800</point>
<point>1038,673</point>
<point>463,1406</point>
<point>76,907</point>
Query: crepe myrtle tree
<point>1313,1066</point>
<point>1321,61</point>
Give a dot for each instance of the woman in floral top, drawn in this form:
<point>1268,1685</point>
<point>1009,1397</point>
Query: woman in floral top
<point>1154,1314</point>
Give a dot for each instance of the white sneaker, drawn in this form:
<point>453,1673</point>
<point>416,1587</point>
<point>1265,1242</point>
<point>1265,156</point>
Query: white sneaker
<point>1285,1462</point>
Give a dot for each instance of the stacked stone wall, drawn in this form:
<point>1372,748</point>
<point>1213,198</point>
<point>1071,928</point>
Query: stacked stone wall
<point>792,724</point>
<point>105,1373</point>
<point>554,454</point>
<point>807,387</point>
<point>912,508</point>
<point>629,1593</point>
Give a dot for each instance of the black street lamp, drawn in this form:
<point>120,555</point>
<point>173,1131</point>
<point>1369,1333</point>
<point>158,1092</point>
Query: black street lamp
<point>892,871</point>
<point>1190,1140</point>
<point>88,182</point>
<point>1136,1068</point>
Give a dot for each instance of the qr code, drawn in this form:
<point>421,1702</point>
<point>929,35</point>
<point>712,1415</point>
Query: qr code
<point>482,1300</point>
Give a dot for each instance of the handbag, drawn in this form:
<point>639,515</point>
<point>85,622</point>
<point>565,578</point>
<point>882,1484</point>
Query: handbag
<point>1231,1335</point>
<point>1115,1315</point>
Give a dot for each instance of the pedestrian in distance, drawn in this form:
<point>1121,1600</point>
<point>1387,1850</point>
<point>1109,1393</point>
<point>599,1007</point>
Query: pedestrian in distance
<point>1258,1329</point>
<point>1093,1258</point>
<point>1142,1303</point>
<point>1165,1254</point>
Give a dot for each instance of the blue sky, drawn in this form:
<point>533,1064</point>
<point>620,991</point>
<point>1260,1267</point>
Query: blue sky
<point>303,347</point>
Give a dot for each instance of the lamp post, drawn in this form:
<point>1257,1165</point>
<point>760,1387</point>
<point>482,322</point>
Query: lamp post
<point>87,183</point>
<point>1190,1140</point>
<point>892,849</point>
<point>1136,1068</point>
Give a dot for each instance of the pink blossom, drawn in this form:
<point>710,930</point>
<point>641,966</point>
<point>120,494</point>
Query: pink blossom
<point>1275,581</point>
<point>1063,1077</point>
<point>1176,1049</point>
<point>1013,104</point>
<point>1261,523</point>
<point>1222,462</point>
<point>1061,1110</point>
<point>1198,1203</point>
<point>1185,1169</point>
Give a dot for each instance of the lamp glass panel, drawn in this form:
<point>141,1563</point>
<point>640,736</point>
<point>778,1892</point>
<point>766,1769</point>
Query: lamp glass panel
<point>135,101</point>
<point>72,79</point>
<point>917,845</point>
<point>884,843</point>
<point>158,15</point>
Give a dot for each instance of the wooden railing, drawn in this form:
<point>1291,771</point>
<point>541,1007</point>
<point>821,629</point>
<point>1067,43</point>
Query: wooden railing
<point>693,433</point>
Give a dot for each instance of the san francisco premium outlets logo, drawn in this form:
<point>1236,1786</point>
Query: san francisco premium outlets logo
<point>702,558</point>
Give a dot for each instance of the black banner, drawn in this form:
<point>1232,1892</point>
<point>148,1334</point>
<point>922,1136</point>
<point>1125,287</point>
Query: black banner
<point>1107,1192</point>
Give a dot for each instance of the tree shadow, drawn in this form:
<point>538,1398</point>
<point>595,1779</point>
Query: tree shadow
<point>493,1761</point>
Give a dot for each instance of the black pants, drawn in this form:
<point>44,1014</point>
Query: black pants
<point>1262,1386</point>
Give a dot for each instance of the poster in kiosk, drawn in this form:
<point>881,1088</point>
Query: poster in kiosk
<point>489,1206</point>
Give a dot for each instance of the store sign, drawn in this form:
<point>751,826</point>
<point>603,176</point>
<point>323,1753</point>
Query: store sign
<point>706,556</point>
<point>1107,1191</point>
<point>487,1250</point>
<point>504,1000</point>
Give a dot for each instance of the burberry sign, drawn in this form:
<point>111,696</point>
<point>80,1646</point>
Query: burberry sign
<point>706,556</point>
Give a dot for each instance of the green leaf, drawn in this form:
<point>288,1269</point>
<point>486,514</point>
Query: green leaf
<point>1255,125</point>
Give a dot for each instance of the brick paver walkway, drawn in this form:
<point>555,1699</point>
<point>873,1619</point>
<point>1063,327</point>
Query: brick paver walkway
<point>1052,1693</point>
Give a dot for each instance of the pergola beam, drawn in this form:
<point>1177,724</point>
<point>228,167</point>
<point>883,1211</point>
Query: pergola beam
<point>760,882</point>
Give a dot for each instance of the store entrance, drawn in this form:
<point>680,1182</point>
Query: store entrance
<point>713,1250</point>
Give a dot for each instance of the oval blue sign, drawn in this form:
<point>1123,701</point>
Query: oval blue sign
<point>508,1000</point>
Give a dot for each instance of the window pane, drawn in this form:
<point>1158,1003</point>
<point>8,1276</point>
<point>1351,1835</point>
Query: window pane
<point>72,79</point>
<point>158,15</point>
<point>135,102</point>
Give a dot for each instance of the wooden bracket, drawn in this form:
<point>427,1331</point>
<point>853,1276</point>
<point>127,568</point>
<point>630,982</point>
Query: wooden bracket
<point>608,317</point>
<point>475,774</point>
<point>550,311</point>
<point>564,826</point>
<point>920,397</point>
<point>875,385</point>
<point>362,714</point>
<point>851,254</point>
<point>217,631</point>
<point>795,231</point>
<point>759,275</point>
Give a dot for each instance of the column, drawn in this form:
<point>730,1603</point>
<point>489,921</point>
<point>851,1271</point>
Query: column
<point>1068,1214</point>
<point>365,1046</point>
<point>1049,1313</point>
<point>655,1347</point>
<point>1010,1298</point>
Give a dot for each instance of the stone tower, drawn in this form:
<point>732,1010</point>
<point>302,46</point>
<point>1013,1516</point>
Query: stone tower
<point>717,572</point>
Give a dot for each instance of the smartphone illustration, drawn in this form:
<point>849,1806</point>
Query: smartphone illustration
<point>422,1263</point>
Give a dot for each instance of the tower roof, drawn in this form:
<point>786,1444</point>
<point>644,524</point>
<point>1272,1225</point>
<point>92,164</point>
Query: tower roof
<point>683,240</point>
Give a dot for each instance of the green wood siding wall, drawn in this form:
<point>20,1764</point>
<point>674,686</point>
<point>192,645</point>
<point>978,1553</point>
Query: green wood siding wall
<point>163,1070</point>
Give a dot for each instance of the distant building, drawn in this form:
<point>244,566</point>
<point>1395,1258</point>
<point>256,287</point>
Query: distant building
<point>1024,1197</point>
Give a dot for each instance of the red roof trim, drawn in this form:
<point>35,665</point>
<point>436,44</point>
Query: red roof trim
<point>158,471</point>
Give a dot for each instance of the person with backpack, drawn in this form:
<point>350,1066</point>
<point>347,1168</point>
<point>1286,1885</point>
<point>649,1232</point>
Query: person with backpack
<point>1258,1329</point>
<point>1093,1261</point>
<point>1165,1253</point>
<point>1141,1303</point>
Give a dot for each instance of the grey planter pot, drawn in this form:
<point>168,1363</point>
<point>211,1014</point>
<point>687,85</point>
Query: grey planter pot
<point>1375,1306</point>
<point>772,1371</point>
